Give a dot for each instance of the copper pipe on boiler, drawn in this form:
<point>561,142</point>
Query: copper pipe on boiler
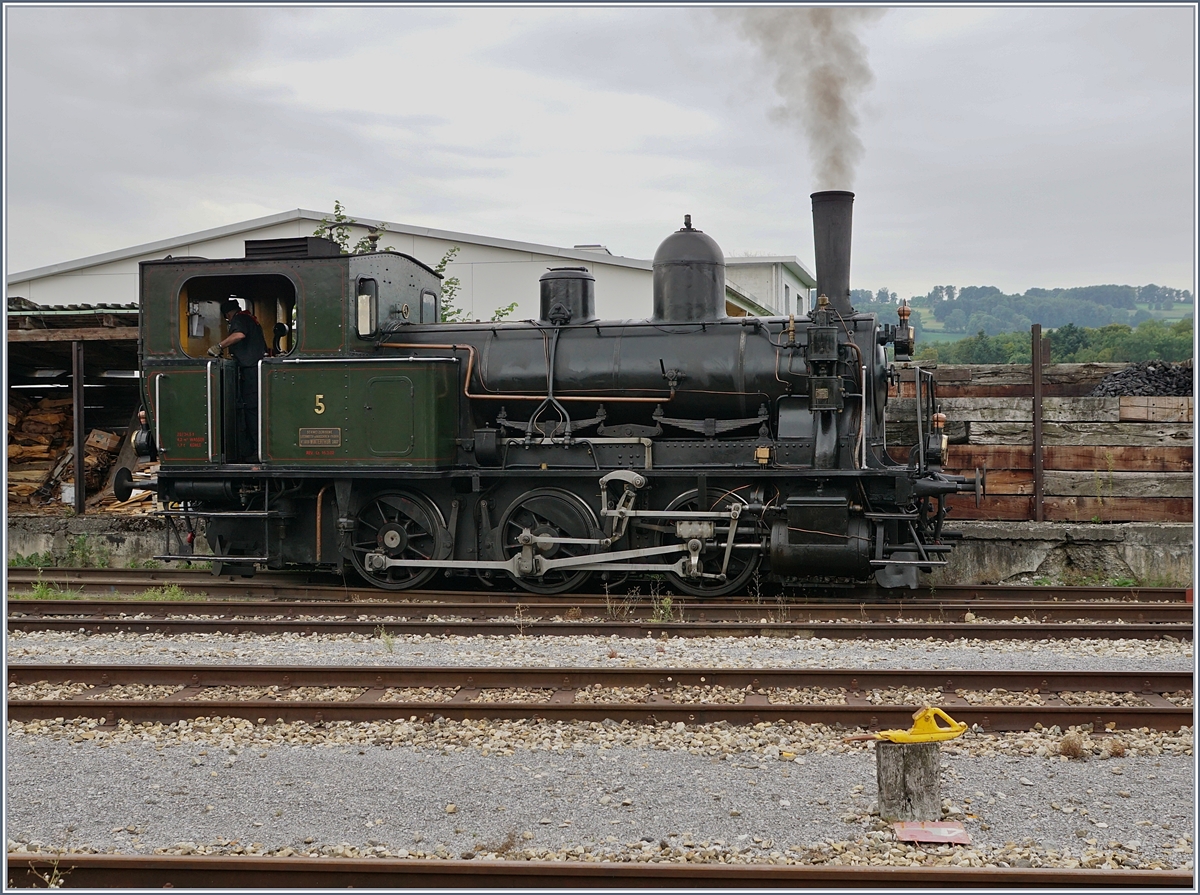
<point>320,494</point>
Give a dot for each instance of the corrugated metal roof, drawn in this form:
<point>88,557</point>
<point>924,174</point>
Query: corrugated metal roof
<point>23,307</point>
<point>301,214</point>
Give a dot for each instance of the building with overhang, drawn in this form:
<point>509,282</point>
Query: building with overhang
<point>492,272</point>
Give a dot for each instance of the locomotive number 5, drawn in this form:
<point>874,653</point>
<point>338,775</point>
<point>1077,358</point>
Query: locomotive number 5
<point>320,406</point>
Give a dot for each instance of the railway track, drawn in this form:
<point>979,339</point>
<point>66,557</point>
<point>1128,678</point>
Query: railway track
<point>973,613</point>
<point>128,871</point>
<point>851,698</point>
<point>314,586</point>
<point>199,619</point>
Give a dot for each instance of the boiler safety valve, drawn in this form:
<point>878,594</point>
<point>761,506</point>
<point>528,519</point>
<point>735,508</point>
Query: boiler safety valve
<point>905,338</point>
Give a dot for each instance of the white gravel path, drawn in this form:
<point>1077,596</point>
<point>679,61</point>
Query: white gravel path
<point>588,792</point>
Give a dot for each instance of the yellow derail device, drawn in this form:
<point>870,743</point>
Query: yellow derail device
<point>926,729</point>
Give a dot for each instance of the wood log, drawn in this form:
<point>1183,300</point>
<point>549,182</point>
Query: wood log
<point>978,380</point>
<point>1015,508</point>
<point>19,452</point>
<point>964,459</point>
<point>1016,410</point>
<point>966,409</point>
<point>20,475</point>
<point>1103,484</point>
<point>1138,408</point>
<point>48,416</point>
<point>79,334</point>
<point>1157,434</point>
<point>999,508</point>
<point>54,403</point>
<point>1117,509</point>
<point>994,456</point>
<point>909,779</point>
<point>33,427</point>
<point>1117,457</point>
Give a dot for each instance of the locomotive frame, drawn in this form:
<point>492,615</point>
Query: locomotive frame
<point>691,445</point>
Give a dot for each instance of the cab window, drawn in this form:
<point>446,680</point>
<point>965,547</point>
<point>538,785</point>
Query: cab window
<point>366,303</point>
<point>271,298</point>
<point>429,307</point>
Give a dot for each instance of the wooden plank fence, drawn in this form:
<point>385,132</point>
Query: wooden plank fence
<point>1126,459</point>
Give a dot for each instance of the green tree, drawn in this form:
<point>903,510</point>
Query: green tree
<point>337,229</point>
<point>450,312</point>
<point>956,321</point>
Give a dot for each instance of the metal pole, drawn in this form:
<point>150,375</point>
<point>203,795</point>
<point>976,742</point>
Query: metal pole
<point>1038,478</point>
<point>77,407</point>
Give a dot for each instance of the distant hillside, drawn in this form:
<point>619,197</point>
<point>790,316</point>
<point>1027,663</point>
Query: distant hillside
<point>1071,344</point>
<point>986,309</point>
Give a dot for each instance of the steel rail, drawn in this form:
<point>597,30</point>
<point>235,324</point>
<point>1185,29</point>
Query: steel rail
<point>325,585</point>
<point>917,610</point>
<point>833,630</point>
<point>563,684</point>
<point>239,872</point>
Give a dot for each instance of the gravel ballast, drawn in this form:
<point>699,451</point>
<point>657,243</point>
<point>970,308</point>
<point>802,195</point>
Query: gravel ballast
<point>583,791</point>
<point>1075,654</point>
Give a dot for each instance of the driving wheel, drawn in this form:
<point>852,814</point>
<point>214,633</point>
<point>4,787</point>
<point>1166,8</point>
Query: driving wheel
<point>400,526</point>
<point>742,563</point>
<point>549,513</point>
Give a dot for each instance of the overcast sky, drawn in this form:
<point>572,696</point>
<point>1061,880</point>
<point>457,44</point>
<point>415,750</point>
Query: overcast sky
<point>1014,147</point>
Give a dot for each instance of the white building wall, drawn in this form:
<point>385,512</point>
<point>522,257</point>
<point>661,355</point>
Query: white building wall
<point>757,281</point>
<point>116,282</point>
<point>799,299</point>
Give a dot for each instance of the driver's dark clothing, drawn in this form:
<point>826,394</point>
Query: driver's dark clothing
<point>247,352</point>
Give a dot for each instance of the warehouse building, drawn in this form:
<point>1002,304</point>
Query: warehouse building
<point>492,272</point>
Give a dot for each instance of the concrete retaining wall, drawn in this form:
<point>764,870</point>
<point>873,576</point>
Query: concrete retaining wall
<point>116,540</point>
<point>1002,552</point>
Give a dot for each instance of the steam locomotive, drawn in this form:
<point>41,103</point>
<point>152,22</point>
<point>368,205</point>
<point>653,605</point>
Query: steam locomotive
<point>691,445</point>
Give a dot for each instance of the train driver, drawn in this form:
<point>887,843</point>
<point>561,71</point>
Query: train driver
<point>248,346</point>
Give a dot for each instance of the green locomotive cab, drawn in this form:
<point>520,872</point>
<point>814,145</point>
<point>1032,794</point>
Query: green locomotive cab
<point>326,399</point>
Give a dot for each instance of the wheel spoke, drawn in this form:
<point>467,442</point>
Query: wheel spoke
<point>406,516</point>
<point>558,514</point>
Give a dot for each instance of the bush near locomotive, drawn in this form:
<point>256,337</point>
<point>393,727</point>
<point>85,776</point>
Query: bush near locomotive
<point>692,445</point>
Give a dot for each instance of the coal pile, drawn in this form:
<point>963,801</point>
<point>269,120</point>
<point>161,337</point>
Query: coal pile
<point>1153,377</point>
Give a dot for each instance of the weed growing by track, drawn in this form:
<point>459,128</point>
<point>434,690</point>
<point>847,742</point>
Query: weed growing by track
<point>44,590</point>
<point>169,592</point>
<point>386,638</point>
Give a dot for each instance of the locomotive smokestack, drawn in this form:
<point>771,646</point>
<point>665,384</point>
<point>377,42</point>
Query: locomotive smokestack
<point>832,215</point>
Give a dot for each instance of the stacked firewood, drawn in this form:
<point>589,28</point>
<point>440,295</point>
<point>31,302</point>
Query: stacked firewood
<point>38,432</point>
<point>41,453</point>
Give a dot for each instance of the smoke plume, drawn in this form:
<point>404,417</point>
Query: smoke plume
<point>821,70</point>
